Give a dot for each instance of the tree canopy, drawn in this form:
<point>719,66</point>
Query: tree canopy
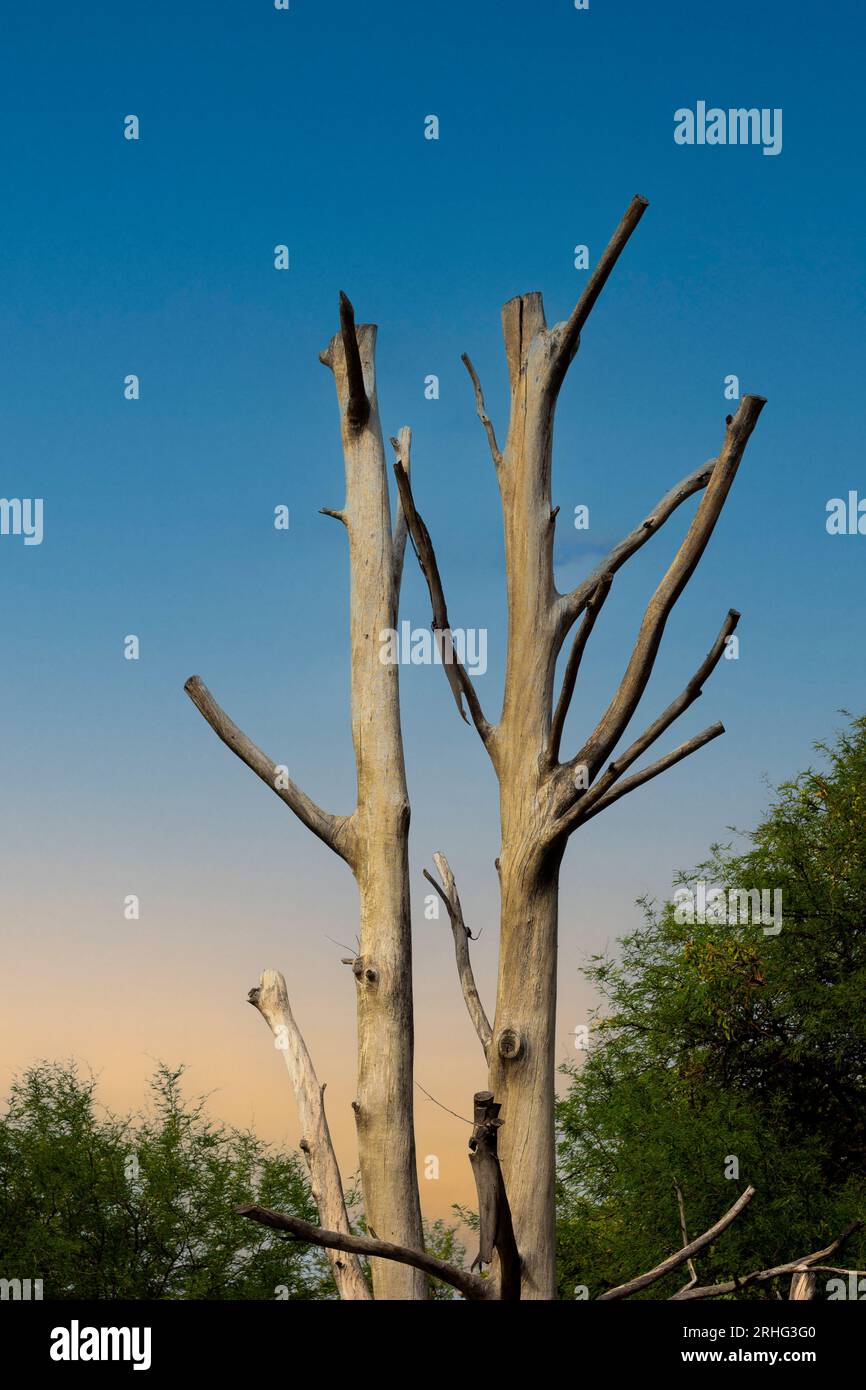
<point>141,1207</point>
<point>726,1054</point>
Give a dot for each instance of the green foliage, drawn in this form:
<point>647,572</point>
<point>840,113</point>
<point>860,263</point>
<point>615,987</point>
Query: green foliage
<point>720,1040</point>
<point>142,1207</point>
<point>442,1240</point>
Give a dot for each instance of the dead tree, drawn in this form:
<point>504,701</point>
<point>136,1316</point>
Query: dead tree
<point>543,797</point>
<point>372,840</point>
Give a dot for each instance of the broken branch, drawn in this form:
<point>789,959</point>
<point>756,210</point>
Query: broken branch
<point>687,697</point>
<point>482,410</point>
<point>680,1258</point>
<point>337,832</point>
<point>460,931</point>
<point>573,604</point>
<point>271,999</point>
<point>358,406</point>
<point>402,446</point>
<point>763,1276</point>
<point>576,816</point>
<point>495,1231</point>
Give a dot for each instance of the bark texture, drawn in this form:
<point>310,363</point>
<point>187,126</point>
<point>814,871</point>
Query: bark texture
<point>544,799</point>
<point>384,1103</point>
<point>271,998</point>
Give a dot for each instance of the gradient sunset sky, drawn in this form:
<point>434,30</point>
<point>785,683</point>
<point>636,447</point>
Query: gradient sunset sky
<point>155,257</point>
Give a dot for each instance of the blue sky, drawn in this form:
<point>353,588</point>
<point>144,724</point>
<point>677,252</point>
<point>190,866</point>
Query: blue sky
<point>155,257</point>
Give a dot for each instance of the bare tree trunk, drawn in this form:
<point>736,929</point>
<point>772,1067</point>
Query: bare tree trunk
<point>373,840</point>
<point>383,974</point>
<point>522,1058</point>
<point>522,1064</point>
<point>542,799</point>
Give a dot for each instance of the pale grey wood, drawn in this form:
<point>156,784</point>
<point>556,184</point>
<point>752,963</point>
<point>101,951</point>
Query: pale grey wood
<point>460,932</point>
<point>681,1256</point>
<point>384,1099</point>
<point>271,998</point>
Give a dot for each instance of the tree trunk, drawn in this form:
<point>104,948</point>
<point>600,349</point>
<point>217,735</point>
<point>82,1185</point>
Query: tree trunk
<point>522,1063</point>
<point>383,971</point>
<point>521,1074</point>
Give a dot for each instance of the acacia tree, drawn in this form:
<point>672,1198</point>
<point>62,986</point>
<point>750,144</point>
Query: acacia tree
<point>543,799</point>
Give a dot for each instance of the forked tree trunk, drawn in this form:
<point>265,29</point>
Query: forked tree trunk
<point>543,800</point>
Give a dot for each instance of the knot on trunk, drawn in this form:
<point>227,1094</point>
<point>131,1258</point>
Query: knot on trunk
<point>510,1045</point>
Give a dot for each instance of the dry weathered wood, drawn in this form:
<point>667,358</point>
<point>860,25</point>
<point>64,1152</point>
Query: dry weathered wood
<point>687,697</point>
<point>681,1207</point>
<point>802,1286</point>
<point>495,1230</point>
<point>674,1261</point>
<point>646,774</point>
<point>375,1249</point>
<point>384,1103</point>
<point>271,999</point>
<point>482,410</point>
<point>455,671</point>
<point>450,897</point>
<point>763,1276</point>
<point>402,446</point>
<point>538,806</point>
<point>610,727</point>
<point>374,839</point>
<point>568,334</point>
<point>357,403</point>
<point>336,831</point>
<point>572,605</point>
<point>581,637</point>
<point>534,788</point>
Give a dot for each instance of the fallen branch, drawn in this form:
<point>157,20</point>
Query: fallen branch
<point>470,1285</point>
<point>680,1258</point>
<point>763,1276</point>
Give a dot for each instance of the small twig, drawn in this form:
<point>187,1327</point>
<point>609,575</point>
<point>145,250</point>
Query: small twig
<point>441,1106</point>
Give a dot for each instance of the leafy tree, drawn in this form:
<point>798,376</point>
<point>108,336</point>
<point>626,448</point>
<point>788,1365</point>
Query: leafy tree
<point>720,1041</point>
<point>142,1207</point>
